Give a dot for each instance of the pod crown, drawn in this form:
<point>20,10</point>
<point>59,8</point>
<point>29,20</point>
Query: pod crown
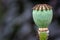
<point>42,7</point>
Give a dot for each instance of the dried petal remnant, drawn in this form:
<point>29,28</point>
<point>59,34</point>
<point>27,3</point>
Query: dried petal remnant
<point>42,7</point>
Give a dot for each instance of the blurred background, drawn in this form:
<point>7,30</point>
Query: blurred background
<point>16,22</point>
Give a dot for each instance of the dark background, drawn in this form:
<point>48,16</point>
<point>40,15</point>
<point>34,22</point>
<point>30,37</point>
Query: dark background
<point>16,22</point>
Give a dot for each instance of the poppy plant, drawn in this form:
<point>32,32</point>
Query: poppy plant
<point>42,16</point>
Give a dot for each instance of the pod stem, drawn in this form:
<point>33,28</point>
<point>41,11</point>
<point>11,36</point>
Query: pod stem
<point>43,33</point>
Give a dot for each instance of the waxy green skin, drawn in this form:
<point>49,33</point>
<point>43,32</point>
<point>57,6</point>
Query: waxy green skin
<point>42,18</point>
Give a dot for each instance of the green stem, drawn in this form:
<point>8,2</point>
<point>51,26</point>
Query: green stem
<point>43,36</point>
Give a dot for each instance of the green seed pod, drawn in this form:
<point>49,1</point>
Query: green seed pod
<point>42,15</point>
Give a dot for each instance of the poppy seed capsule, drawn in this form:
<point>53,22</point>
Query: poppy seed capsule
<point>42,15</point>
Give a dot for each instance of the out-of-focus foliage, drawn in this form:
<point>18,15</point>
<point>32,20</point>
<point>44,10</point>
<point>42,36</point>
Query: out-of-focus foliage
<point>2,11</point>
<point>17,22</point>
<point>1,8</point>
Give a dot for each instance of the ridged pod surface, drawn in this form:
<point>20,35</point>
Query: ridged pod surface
<point>42,15</point>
